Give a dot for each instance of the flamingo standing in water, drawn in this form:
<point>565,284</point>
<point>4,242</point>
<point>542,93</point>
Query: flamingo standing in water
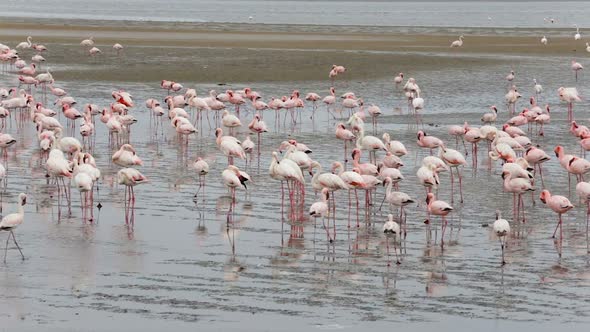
<point>399,79</point>
<point>202,168</point>
<point>10,222</point>
<point>454,159</point>
<point>517,186</point>
<point>501,228</point>
<point>229,146</point>
<point>321,209</point>
<point>428,142</point>
<point>576,67</point>
<point>345,135</point>
<point>118,48</point>
<point>391,228</point>
<point>560,205</point>
<point>438,208</point>
<point>458,43</point>
<point>258,126</point>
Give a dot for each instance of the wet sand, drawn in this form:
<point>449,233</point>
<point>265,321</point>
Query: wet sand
<point>250,53</point>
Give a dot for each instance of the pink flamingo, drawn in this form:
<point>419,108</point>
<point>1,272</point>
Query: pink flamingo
<point>517,186</point>
<point>354,181</point>
<point>536,157</point>
<point>236,100</point>
<point>438,208</point>
<point>258,126</point>
<point>501,228</point>
<point>560,205</point>
<point>543,119</point>
<point>569,95</point>
<point>364,168</point>
<point>399,79</point>
<point>229,146</point>
<point>428,142</point>
<point>576,67</point>
<point>454,159</point>
<point>473,136</point>
<point>345,135</point>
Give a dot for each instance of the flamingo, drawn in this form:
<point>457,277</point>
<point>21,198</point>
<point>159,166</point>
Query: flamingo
<point>454,159</point>
<point>543,119</point>
<point>399,79</point>
<point>259,127</point>
<point>10,222</point>
<point>438,208</point>
<point>202,168</point>
<point>321,208</point>
<point>544,40</point>
<point>130,177</point>
<point>25,45</point>
<point>354,181</point>
<point>126,157</point>
<point>391,228</point>
<point>397,198</point>
<point>537,87</point>
<point>287,170</point>
<point>397,148</point>
<point>87,42</point>
<point>517,186</point>
<point>94,51</point>
<point>345,135</point>
<point>458,43</point>
<point>576,67</point>
<point>560,205</point>
<point>370,143</point>
<point>536,157</point>
<point>428,142</point>
<point>490,117</point>
<point>233,178</point>
<point>364,168</point>
<point>229,146</point>
<point>501,228</point>
<point>117,48</point>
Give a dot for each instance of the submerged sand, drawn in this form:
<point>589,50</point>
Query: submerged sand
<point>257,52</point>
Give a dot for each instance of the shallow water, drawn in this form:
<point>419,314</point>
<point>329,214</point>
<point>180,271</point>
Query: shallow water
<point>365,13</point>
<point>181,267</point>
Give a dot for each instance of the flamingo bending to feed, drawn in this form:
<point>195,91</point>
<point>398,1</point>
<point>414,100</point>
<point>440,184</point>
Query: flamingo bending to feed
<point>391,228</point>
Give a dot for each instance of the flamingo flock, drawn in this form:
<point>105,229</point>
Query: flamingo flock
<point>370,162</point>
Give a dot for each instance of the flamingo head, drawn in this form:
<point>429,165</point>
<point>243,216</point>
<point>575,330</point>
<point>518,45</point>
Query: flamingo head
<point>558,151</point>
<point>545,195</point>
<point>547,108</point>
<point>494,108</point>
<point>356,153</point>
<point>429,198</point>
<point>335,166</point>
<point>505,126</point>
<point>532,101</point>
<point>420,134</point>
<point>386,181</point>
